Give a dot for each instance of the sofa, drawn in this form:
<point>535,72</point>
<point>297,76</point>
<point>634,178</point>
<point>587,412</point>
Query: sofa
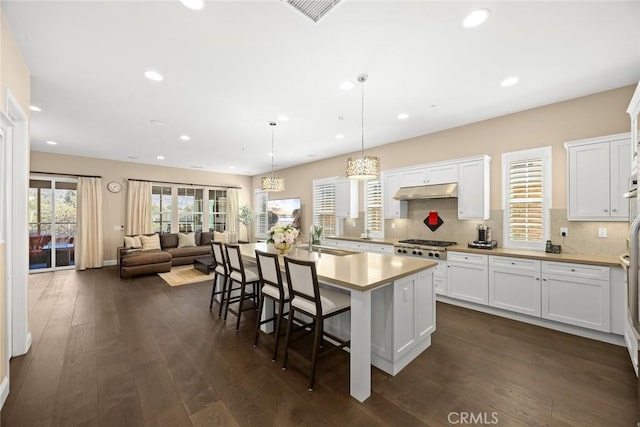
<point>157,253</point>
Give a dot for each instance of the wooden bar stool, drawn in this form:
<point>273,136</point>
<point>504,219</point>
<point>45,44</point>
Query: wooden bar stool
<point>244,277</point>
<point>220,270</point>
<point>273,289</point>
<point>316,302</point>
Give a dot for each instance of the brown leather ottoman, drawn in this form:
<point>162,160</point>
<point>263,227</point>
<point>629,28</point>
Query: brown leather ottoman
<point>145,262</point>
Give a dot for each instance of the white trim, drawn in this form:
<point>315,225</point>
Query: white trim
<point>605,138</point>
<point>4,390</point>
<point>634,105</point>
<point>110,262</point>
<point>543,153</point>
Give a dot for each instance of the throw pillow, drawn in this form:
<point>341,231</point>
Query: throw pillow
<point>150,243</point>
<point>132,242</point>
<point>220,237</point>
<point>185,240</point>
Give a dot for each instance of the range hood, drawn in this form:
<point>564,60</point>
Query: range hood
<point>438,191</point>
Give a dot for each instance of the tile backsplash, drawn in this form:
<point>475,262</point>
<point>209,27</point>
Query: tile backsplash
<point>582,235</point>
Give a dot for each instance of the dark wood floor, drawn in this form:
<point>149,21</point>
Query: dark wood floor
<point>139,352</point>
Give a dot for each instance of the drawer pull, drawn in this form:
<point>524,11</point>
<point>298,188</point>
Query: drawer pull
<point>615,210</point>
<point>544,280</point>
<point>513,263</point>
<point>537,278</point>
<point>606,210</point>
<point>466,257</point>
<point>573,269</point>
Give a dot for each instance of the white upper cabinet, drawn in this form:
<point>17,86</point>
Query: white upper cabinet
<point>442,174</point>
<point>634,115</point>
<point>347,198</point>
<point>597,175</point>
<point>390,185</point>
<point>474,189</point>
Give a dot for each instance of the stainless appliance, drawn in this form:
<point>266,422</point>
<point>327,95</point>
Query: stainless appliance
<point>435,191</point>
<point>632,321</point>
<point>423,248</point>
<point>484,238</point>
<point>632,195</point>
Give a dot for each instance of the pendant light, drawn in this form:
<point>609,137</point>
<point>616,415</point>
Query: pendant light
<point>272,183</point>
<point>363,167</point>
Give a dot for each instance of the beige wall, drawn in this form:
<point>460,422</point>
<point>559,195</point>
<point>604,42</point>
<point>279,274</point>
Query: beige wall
<point>14,73</point>
<point>114,204</point>
<point>551,125</point>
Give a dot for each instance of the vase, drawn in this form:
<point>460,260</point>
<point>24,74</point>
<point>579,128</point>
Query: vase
<point>283,247</point>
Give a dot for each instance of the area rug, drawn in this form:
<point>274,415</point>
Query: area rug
<point>184,275</point>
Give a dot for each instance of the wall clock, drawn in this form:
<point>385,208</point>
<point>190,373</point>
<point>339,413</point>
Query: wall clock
<point>114,187</point>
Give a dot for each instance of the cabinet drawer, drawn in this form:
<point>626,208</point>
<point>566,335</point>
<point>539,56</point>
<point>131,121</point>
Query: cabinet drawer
<point>359,246</point>
<point>475,259</point>
<point>382,249</point>
<point>520,264</point>
<point>576,270</point>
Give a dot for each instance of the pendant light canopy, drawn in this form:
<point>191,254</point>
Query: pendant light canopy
<point>363,167</point>
<point>272,183</point>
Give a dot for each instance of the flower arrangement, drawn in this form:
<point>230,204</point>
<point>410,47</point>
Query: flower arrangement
<point>282,236</point>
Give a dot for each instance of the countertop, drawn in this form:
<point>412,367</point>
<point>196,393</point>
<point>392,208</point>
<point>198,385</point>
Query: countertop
<point>360,271</point>
<point>604,260</point>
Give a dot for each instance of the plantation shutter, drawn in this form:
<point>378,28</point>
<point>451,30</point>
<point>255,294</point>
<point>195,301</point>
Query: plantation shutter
<point>526,200</point>
<point>260,208</point>
<point>324,206</point>
<point>373,203</point>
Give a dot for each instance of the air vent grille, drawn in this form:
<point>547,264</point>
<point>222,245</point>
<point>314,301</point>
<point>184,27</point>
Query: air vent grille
<point>313,9</point>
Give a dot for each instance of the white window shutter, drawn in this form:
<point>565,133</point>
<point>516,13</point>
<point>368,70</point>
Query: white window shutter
<point>373,208</point>
<point>324,206</point>
<point>260,209</point>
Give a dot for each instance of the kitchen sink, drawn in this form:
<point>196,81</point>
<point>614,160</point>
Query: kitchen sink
<point>330,251</point>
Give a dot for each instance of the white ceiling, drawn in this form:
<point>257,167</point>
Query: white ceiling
<point>233,67</point>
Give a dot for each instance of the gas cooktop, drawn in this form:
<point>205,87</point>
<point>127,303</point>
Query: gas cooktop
<point>420,242</point>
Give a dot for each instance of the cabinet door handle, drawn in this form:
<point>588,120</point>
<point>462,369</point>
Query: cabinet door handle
<point>606,210</point>
<point>537,278</point>
<point>614,210</point>
<point>544,280</point>
<point>513,263</point>
<point>573,269</point>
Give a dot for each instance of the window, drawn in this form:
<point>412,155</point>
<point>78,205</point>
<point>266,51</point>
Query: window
<point>526,178</point>
<point>373,208</point>
<point>324,205</point>
<point>260,208</point>
<point>190,214</point>
<point>161,212</point>
<point>217,210</point>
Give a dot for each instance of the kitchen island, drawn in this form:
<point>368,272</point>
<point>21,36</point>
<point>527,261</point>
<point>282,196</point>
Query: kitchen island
<point>392,312</point>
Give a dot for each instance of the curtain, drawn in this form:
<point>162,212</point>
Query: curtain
<point>89,245</point>
<point>232,214</point>
<point>139,208</point>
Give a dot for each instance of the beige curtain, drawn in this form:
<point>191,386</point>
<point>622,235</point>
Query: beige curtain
<point>232,213</point>
<point>88,243</point>
<point>139,208</point>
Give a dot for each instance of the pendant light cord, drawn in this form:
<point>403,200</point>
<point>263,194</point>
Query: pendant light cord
<point>273,152</point>
<point>362,78</point>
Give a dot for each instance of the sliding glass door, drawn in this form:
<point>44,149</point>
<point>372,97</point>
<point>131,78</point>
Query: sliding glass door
<point>52,223</point>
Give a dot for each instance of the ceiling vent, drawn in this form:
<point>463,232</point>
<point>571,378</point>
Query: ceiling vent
<point>313,9</point>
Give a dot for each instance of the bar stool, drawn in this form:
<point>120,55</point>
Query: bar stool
<point>244,277</point>
<point>220,269</point>
<point>318,303</point>
<point>272,288</point>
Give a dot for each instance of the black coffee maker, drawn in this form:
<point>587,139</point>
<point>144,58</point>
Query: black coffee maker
<point>484,234</point>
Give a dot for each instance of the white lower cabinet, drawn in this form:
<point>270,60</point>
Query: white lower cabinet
<point>576,294</point>
<point>514,284</point>
<point>467,277</point>
<point>440,278</point>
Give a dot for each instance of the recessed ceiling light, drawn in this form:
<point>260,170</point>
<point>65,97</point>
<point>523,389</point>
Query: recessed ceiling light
<point>51,142</point>
<point>196,167</point>
<point>157,122</point>
<point>160,157</point>
<point>347,85</point>
<point>403,116</point>
<point>153,75</point>
<point>185,137</point>
<point>35,108</point>
<point>232,167</point>
<point>476,18</point>
<point>509,81</point>
<point>339,136</point>
<point>270,154</point>
<point>283,118</point>
<point>193,4</point>
<point>433,106</point>
<point>132,157</point>
<point>311,155</point>
<point>340,118</point>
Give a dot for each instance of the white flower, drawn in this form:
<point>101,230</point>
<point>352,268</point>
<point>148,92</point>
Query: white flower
<point>282,234</point>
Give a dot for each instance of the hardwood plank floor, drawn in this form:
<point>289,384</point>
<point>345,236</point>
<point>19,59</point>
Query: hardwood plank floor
<point>138,352</point>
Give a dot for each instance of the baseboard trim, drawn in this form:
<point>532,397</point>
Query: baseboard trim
<point>4,391</point>
<point>109,262</point>
<point>550,324</point>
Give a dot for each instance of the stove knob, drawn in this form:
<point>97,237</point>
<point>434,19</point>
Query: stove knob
<point>420,253</point>
<point>399,251</point>
<point>404,251</point>
<point>414,252</point>
<point>431,254</point>
<point>437,255</point>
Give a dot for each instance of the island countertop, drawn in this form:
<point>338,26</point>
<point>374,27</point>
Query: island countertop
<point>359,271</point>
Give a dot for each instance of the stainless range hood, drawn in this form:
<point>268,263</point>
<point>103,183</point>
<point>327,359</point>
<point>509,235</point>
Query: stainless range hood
<point>438,191</point>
